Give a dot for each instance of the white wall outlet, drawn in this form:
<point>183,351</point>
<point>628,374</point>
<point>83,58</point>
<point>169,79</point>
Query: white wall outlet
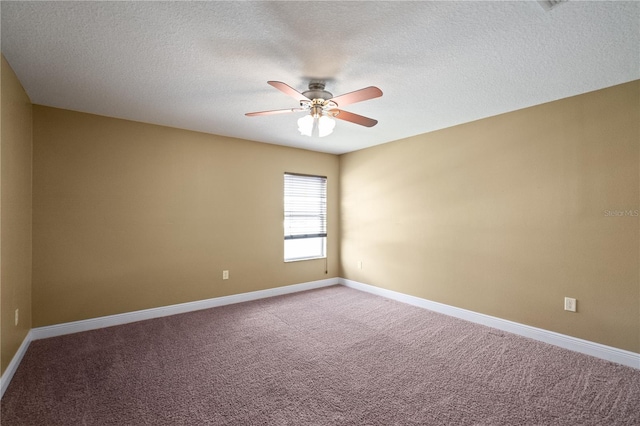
<point>570,304</point>
<point>359,264</point>
<point>17,312</point>
<point>225,275</point>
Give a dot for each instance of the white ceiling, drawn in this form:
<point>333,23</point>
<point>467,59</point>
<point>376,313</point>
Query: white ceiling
<point>202,65</point>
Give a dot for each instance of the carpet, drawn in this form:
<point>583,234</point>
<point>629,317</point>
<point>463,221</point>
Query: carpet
<point>332,356</point>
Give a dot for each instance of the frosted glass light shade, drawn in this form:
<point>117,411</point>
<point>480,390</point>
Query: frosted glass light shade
<point>325,125</point>
<point>305,125</point>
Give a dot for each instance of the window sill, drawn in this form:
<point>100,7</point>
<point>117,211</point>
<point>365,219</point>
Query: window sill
<point>304,258</point>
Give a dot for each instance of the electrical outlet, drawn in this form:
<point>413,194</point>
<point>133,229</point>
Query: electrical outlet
<point>359,264</point>
<point>570,304</point>
<point>225,275</point>
<point>17,312</point>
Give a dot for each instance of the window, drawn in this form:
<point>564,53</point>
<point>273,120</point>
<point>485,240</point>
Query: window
<point>305,217</point>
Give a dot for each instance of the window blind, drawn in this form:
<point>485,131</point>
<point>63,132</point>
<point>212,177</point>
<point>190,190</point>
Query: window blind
<point>305,206</point>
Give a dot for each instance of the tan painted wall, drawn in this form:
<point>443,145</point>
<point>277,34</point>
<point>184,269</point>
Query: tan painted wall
<point>15,214</point>
<point>506,216</point>
<point>503,216</point>
<point>129,216</point>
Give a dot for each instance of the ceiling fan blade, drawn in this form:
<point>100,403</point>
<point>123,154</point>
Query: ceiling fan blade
<point>367,93</point>
<point>276,111</point>
<point>288,90</point>
<point>354,118</point>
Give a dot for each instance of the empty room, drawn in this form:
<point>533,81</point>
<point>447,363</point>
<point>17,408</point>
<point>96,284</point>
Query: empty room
<point>320,213</point>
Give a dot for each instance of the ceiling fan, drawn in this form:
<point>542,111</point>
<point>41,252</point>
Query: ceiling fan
<point>322,107</point>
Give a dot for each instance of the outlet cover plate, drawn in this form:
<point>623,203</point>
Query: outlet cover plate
<point>569,304</point>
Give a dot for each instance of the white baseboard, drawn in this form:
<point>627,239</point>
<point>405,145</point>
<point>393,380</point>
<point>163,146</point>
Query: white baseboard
<point>5,379</point>
<point>598,350</point>
<point>163,311</point>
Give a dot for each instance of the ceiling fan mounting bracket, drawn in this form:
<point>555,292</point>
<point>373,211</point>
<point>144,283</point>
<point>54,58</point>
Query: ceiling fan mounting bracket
<point>316,84</point>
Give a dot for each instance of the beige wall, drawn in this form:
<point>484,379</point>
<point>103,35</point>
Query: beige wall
<point>503,216</point>
<point>129,216</point>
<point>15,214</point>
<point>506,216</point>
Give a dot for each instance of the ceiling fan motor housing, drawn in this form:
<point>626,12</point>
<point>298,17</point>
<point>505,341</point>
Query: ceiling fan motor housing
<point>316,91</point>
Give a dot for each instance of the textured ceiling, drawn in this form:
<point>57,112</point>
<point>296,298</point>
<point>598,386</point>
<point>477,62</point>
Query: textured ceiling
<point>202,65</point>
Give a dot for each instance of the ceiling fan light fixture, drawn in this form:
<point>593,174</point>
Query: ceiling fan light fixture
<point>308,124</point>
